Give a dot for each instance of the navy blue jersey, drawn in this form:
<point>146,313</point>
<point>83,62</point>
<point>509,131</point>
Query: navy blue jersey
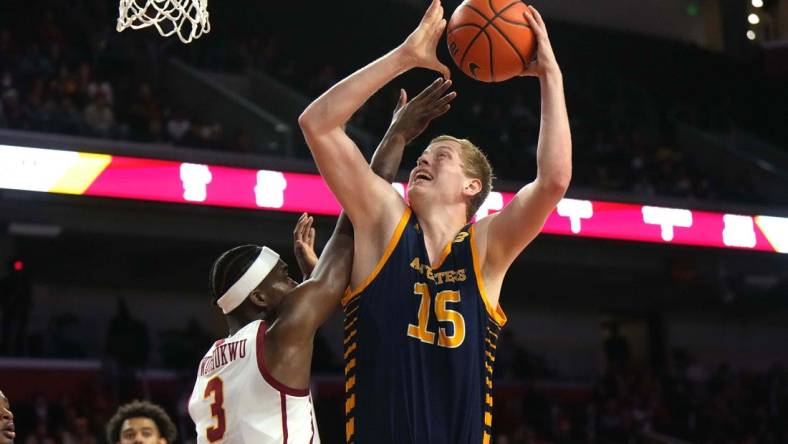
<point>420,345</point>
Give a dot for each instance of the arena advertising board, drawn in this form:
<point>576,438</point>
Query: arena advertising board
<point>103,175</point>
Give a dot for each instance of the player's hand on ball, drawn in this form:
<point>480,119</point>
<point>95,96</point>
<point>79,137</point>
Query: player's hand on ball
<point>412,117</point>
<point>420,46</point>
<point>304,244</point>
<point>544,62</point>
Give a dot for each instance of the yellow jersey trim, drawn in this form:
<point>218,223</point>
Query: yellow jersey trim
<point>350,294</point>
<point>496,313</point>
<point>444,255</point>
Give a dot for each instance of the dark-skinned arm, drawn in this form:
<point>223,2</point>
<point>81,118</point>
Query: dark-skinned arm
<point>329,276</point>
<point>304,245</point>
<point>290,339</point>
<point>409,120</point>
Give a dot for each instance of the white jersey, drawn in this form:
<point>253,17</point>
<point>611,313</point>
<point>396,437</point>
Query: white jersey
<point>236,400</point>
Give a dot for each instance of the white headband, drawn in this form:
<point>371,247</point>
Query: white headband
<point>240,290</point>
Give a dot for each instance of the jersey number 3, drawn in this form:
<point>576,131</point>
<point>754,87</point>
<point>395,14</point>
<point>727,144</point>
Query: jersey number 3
<point>442,313</point>
<point>215,388</point>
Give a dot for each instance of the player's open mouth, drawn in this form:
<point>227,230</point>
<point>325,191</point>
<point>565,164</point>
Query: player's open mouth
<point>421,176</point>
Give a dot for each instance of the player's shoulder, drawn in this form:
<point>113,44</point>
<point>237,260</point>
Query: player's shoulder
<point>484,223</point>
<point>253,326</point>
<point>480,229</point>
<point>249,330</point>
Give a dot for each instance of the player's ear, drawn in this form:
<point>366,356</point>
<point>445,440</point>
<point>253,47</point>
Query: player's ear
<point>258,298</point>
<point>472,187</point>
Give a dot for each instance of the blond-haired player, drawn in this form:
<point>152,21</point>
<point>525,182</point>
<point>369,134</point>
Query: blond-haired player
<point>423,315</point>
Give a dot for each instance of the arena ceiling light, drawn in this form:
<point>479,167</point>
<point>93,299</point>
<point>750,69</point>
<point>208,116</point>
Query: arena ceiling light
<point>753,19</point>
<point>751,34</point>
<point>757,3</point>
<point>121,177</point>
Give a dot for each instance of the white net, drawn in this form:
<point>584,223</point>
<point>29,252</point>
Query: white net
<point>187,18</point>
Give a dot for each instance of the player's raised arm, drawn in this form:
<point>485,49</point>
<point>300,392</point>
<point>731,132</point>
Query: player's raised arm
<point>508,232</point>
<point>330,274</point>
<point>323,122</point>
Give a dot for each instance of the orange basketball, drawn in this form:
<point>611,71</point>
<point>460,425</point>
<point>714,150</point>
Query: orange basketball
<point>490,40</point>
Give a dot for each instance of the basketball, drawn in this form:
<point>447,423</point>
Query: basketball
<point>490,40</point>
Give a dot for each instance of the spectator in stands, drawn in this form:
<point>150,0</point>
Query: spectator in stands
<point>128,347</point>
<point>183,348</point>
<point>84,77</point>
<point>67,117</point>
<point>145,115</point>
<point>41,411</point>
<point>79,432</point>
<point>34,64</point>
<point>39,108</point>
<point>12,109</point>
<point>617,349</point>
<point>205,135</point>
<point>41,435</point>
<point>99,116</point>
<point>64,84</point>
<point>7,430</point>
<point>140,422</point>
<point>178,127</point>
<point>101,88</point>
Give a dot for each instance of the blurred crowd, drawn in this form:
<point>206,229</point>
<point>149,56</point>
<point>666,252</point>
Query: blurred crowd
<point>71,73</point>
<point>621,142</point>
<point>688,401</point>
<point>632,403</point>
<point>693,405</point>
<point>624,107</point>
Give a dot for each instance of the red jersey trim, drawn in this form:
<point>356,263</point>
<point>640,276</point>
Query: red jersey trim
<point>283,402</point>
<point>269,378</point>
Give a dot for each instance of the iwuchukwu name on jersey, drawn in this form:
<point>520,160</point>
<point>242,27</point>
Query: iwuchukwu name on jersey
<point>222,355</point>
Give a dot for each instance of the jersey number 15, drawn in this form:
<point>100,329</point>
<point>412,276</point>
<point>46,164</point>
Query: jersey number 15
<point>442,313</point>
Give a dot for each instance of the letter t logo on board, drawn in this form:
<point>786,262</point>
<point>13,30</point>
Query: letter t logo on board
<point>667,219</point>
<point>575,210</point>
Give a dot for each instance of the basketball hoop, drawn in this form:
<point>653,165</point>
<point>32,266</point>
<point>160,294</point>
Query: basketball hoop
<point>187,18</point>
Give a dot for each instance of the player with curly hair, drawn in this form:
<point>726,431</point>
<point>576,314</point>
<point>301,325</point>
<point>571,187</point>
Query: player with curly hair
<point>141,422</point>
